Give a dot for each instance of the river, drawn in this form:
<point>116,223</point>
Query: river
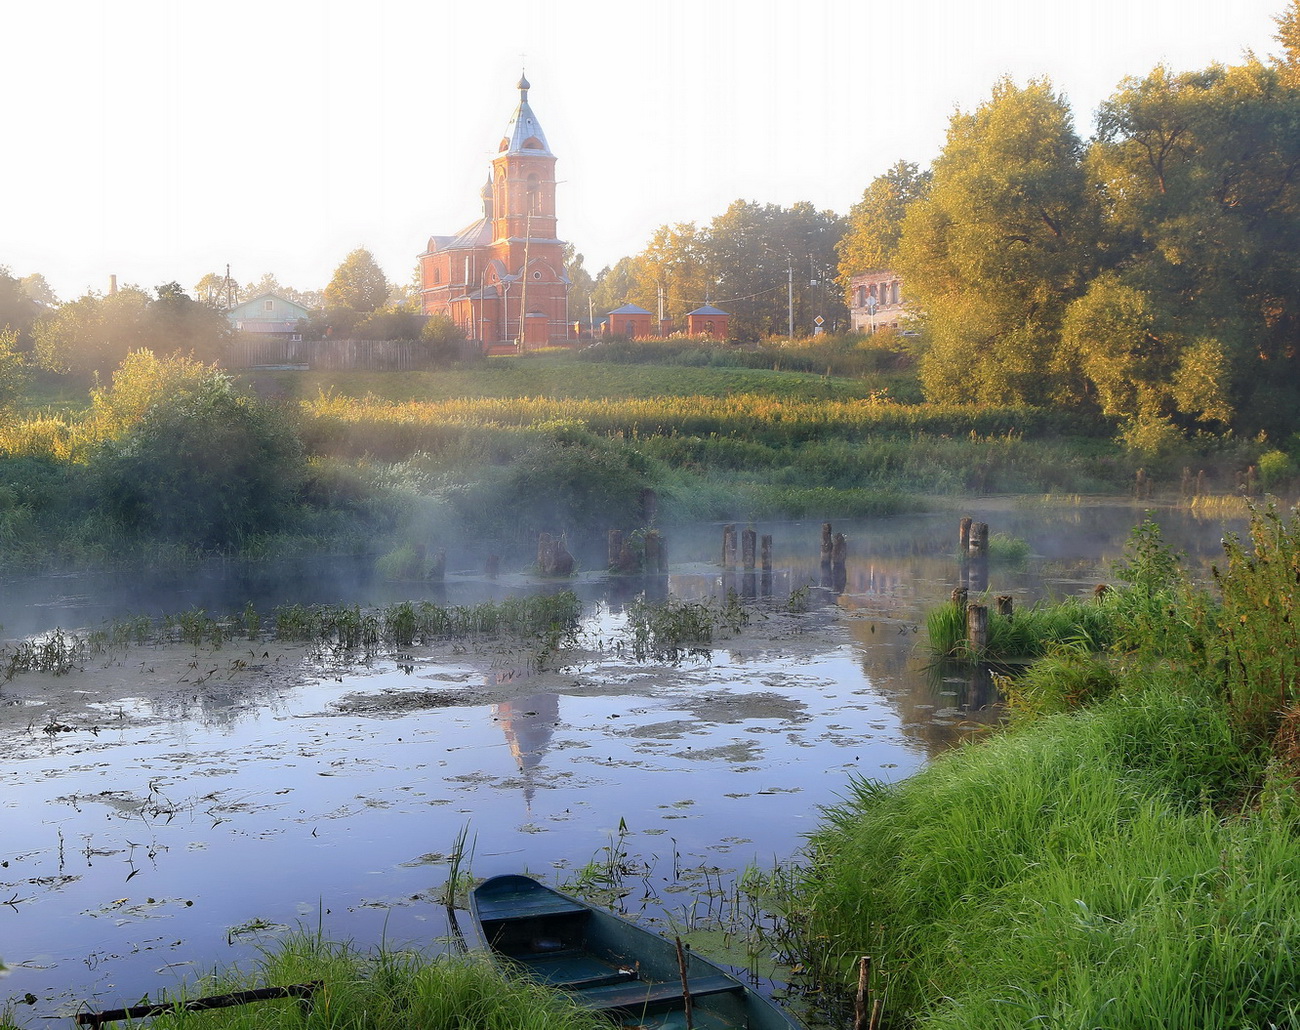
<point>165,811</point>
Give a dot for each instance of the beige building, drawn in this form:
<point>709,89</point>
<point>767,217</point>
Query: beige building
<point>876,301</point>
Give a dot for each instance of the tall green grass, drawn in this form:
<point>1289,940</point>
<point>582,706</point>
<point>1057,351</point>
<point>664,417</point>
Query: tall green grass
<point>382,990</point>
<point>1086,872</point>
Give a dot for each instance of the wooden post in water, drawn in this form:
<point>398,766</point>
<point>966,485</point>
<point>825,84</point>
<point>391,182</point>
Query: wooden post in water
<point>839,560</point>
<point>493,565</point>
<point>1200,483</point>
<point>959,595</point>
<point>1140,488</point>
<point>1006,605</point>
<point>963,537</point>
<point>652,561</point>
<point>977,627</point>
<point>748,542</point>
<point>860,1016</point>
<point>765,553</point>
<point>615,547</point>
<point>438,566</point>
<point>729,546</point>
<point>979,538</point>
<point>826,549</point>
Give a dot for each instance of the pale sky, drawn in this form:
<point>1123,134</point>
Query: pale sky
<point>161,139</point>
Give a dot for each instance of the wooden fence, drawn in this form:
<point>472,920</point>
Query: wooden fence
<point>350,355</point>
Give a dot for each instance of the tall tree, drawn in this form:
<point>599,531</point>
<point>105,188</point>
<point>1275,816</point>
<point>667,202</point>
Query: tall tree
<point>1002,241</point>
<point>674,267</point>
<point>1202,206</point>
<point>581,284</point>
<point>359,283</point>
<point>761,253</point>
<point>875,223</point>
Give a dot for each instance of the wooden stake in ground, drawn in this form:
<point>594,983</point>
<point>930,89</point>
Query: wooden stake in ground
<point>864,988</point>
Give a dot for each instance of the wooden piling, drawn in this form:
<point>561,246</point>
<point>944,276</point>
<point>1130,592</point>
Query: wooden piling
<point>977,627</point>
<point>1140,488</point>
<point>438,566</point>
<point>963,536</point>
<point>1200,483</point>
<point>839,563</point>
<point>748,547</point>
<point>861,1018</point>
<point>651,562</point>
<point>765,553</point>
<point>979,538</point>
<point>729,546</point>
<point>827,545</point>
<point>615,540</point>
<point>959,595</point>
<point>1005,604</point>
<point>493,565</point>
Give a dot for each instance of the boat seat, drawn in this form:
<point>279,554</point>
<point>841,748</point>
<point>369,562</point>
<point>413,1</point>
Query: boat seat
<point>637,994</point>
<point>515,906</point>
<point>572,970</point>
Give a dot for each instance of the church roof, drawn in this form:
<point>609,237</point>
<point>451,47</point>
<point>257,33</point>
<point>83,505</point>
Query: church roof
<point>708,309</point>
<point>476,234</point>
<point>628,309</point>
<point>524,133</point>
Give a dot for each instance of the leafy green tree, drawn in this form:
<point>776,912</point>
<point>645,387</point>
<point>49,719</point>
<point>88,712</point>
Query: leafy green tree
<point>1202,212</point>
<point>875,223</point>
<point>174,322</point>
<point>358,283</point>
<point>756,251</point>
<point>91,335</point>
<point>37,289</point>
<point>674,265</point>
<point>13,370</point>
<point>581,285</point>
<point>1003,240</point>
<point>18,309</point>
<point>217,291</point>
<point>616,286</point>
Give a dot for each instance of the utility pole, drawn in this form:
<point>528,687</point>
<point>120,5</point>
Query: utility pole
<point>789,302</point>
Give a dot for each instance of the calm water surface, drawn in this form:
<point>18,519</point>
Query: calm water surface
<point>138,857</point>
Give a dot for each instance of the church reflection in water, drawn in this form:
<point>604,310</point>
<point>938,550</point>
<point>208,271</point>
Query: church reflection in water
<point>528,724</point>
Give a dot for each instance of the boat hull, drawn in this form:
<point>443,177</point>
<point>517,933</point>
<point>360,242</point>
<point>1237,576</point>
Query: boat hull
<point>609,964</point>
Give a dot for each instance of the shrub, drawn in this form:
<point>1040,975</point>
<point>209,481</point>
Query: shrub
<point>1274,468</point>
<point>207,467</point>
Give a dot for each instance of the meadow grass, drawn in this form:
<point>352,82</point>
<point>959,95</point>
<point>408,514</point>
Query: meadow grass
<point>383,989</point>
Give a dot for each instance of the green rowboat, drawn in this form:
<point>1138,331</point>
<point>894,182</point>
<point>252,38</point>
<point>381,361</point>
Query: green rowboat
<point>611,965</point>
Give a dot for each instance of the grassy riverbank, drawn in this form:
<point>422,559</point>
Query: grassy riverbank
<point>1129,859</point>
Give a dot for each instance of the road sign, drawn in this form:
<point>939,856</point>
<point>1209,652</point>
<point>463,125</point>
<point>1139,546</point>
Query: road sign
<point>819,320</point>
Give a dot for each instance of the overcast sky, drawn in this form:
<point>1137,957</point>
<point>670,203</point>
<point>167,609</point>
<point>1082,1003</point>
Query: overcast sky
<point>161,139</point>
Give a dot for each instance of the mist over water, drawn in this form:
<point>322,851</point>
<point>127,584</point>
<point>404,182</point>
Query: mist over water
<point>170,831</point>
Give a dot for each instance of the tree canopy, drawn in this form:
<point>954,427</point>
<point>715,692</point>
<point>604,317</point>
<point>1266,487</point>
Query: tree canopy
<point>359,284</point>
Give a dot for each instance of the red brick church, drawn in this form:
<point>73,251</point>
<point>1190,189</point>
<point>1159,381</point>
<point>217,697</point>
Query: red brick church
<point>501,279</point>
